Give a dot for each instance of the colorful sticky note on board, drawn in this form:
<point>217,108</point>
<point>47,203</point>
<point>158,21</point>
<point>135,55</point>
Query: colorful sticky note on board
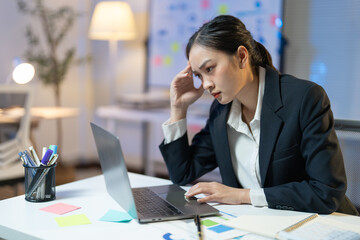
<point>167,60</point>
<point>116,216</point>
<point>73,220</point>
<point>208,223</point>
<point>157,61</point>
<point>220,228</point>
<point>175,46</point>
<point>205,4</point>
<point>223,9</point>
<point>60,208</point>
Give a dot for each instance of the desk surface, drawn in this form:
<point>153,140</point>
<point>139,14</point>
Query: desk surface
<point>20,219</point>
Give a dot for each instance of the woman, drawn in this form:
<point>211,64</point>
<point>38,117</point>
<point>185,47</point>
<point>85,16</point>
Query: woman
<point>270,134</point>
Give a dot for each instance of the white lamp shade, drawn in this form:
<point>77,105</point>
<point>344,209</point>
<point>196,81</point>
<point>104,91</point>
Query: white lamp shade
<point>23,73</point>
<point>112,21</point>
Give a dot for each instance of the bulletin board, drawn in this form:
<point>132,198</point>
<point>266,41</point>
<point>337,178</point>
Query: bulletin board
<point>172,22</point>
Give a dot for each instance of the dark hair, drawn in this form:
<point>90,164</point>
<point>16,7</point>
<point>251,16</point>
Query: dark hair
<point>226,33</point>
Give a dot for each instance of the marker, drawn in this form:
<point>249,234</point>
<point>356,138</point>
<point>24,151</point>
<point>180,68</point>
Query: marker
<point>36,158</point>
<point>46,157</point>
<point>54,148</point>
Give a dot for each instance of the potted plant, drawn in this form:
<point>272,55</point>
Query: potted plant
<point>51,64</point>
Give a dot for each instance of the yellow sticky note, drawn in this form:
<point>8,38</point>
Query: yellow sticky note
<point>175,46</point>
<point>73,220</point>
<point>223,9</point>
<point>168,60</point>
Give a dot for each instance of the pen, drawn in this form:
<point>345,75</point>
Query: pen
<point>28,158</point>
<point>199,228</point>
<point>22,158</point>
<point>33,153</point>
<point>27,161</point>
<point>53,159</point>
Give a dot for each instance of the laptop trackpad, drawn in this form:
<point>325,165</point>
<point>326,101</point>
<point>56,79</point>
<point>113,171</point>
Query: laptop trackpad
<point>175,195</point>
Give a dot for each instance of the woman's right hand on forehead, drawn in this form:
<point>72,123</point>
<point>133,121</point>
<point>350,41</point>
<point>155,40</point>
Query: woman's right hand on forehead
<point>183,93</point>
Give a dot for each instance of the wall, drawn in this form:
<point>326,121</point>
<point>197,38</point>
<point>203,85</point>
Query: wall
<point>75,88</point>
<point>130,78</point>
<point>296,31</point>
<point>324,47</point>
<point>82,87</point>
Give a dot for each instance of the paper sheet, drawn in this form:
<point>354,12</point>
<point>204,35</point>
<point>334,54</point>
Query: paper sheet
<point>265,225</point>
<point>213,227</point>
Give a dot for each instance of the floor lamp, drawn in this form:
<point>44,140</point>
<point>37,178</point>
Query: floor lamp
<point>112,21</point>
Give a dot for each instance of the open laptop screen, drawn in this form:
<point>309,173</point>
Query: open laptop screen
<point>114,169</point>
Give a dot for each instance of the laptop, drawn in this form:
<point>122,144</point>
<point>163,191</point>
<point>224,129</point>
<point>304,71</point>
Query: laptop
<point>146,204</point>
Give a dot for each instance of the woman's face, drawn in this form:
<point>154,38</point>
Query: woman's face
<point>223,75</point>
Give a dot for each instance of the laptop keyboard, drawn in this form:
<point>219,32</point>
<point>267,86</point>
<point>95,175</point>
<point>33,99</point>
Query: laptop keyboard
<point>149,203</point>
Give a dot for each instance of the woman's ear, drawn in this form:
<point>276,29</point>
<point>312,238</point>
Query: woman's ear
<point>242,56</point>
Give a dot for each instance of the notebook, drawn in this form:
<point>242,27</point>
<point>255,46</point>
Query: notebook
<point>148,204</point>
<point>268,225</point>
<point>320,230</point>
<point>295,226</point>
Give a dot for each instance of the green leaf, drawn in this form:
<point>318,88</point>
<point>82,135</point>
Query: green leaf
<point>51,66</point>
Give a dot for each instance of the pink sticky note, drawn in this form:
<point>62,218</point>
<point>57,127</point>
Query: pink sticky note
<point>205,4</point>
<point>59,208</point>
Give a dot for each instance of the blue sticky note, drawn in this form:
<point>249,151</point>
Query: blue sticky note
<point>220,228</point>
<point>116,216</point>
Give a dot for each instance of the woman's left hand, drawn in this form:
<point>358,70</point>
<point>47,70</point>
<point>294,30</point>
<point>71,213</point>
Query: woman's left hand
<point>217,192</point>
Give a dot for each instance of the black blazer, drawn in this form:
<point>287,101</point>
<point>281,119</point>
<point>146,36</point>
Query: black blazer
<point>301,164</point>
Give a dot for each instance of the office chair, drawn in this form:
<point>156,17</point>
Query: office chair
<point>348,132</point>
<point>15,106</point>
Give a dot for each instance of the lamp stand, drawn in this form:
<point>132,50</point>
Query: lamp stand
<point>113,48</point>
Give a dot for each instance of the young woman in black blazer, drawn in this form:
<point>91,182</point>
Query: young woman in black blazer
<point>271,135</point>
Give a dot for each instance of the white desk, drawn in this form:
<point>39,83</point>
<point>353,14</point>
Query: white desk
<point>20,219</point>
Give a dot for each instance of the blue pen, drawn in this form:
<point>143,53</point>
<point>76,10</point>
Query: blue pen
<point>46,157</point>
<point>29,159</point>
<point>26,161</point>
<point>21,154</point>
